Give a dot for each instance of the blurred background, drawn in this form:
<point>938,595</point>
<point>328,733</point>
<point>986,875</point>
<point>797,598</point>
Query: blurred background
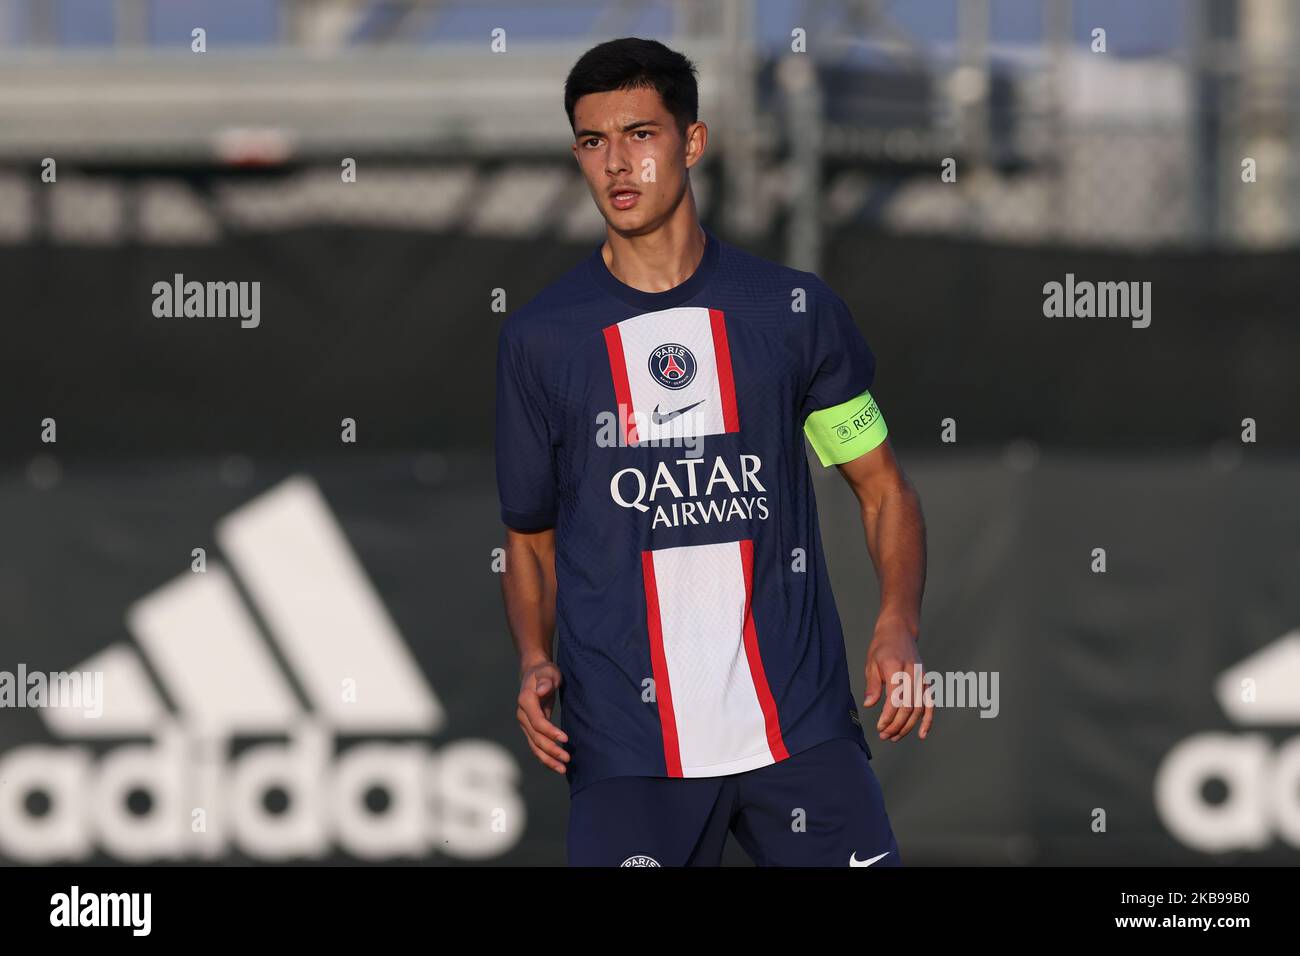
<point>329,467</point>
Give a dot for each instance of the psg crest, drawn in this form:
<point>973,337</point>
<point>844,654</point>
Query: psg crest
<point>672,366</point>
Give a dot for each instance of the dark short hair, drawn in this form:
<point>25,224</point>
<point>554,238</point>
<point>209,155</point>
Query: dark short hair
<point>631,63</point>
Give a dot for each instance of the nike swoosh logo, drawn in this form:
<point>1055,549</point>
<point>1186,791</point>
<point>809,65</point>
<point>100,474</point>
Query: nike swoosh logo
<point>669,416</point>
<point>854,861</point>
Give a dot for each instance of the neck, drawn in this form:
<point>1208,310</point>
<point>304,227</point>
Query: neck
<point>662,258</point>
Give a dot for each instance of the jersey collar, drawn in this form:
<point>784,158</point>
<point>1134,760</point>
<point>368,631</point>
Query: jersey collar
<point>655,301</point>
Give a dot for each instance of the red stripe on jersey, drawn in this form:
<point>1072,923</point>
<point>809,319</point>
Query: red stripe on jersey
<point>766,702</point>
<point>659,664</point>
<point>726,382</point>
<point>622,390</point>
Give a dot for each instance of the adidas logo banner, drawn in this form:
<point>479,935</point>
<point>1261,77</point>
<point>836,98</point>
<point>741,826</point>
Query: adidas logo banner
<point>273,696</point>
<point>203,664</point>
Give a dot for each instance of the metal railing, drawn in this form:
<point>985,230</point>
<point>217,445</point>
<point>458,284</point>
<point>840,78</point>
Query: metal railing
<point>1050,143</point>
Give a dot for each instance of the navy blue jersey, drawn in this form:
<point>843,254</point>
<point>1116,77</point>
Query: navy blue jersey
<point>662,436</point>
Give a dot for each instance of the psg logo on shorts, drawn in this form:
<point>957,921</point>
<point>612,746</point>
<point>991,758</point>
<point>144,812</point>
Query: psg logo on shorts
<point>672,366</point>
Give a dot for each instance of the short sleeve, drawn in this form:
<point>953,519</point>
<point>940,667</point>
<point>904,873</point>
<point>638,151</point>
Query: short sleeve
<point>841,419</point>
<point>841,364</point>
<point>525,471</point>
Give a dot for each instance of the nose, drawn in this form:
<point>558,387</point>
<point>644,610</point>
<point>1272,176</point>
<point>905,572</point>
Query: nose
<point>616,163</point>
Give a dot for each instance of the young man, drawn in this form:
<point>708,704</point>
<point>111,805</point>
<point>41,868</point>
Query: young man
<point>651,408</point>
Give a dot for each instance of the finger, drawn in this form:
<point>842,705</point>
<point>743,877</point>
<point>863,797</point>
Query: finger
<point>542,758</point>
<point>541,740</point>
<point>548,679</point>
<point>532,707</point>
<point>911,722</point>
<point>893,691</point>
<point>543,744</point>
<point>550,748</point>
<point>547,682</point>
<point>895,726</point>
<point>927,720</point>
<point>873,685</point>
<point>903,685</point>
<point>917,701</point>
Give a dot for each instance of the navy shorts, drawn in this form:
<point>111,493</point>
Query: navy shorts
<point>820,807</point>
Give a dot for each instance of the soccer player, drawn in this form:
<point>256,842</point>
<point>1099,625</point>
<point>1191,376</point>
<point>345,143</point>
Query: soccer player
<point>651,408</point>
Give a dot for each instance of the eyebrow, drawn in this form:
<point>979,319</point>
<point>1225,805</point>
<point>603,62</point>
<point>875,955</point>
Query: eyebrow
<point>626,129</point>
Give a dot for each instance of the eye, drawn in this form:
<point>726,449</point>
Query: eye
<point>590,142</point>
<point>643,132</point>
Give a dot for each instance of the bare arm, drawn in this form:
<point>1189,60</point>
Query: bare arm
<point>895,532</point>
<point>528,589</point>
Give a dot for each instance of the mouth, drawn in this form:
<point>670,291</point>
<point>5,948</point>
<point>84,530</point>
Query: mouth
<point>623,198</point>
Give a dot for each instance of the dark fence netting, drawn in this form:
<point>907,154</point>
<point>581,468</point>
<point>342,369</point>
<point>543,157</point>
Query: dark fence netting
<point>397,331</point>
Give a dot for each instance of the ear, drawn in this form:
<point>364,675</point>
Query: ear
<point>697,139</point>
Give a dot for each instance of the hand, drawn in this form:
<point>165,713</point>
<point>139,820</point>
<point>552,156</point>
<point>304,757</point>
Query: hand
<point>893,659</point>
<point>537,689</point>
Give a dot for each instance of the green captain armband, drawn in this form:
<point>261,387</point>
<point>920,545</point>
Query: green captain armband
<point>846,431</point>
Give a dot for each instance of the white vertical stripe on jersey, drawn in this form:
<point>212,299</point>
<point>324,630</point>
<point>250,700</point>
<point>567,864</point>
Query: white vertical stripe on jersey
<point>720,727</point>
